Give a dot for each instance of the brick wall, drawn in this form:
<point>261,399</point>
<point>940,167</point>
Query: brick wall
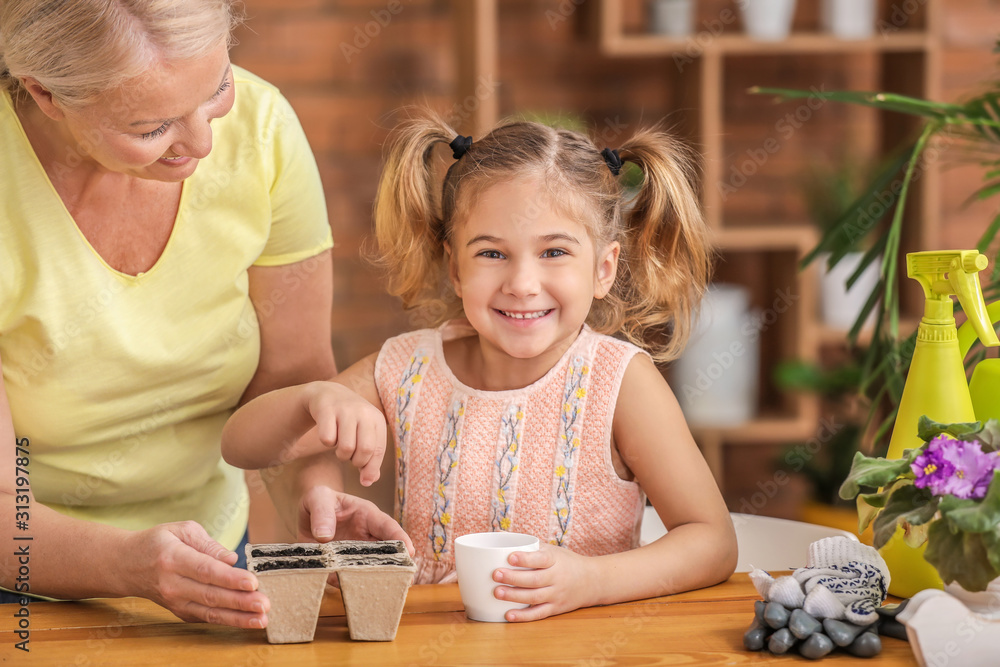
<point>346,65</point>
<point>344,70</point>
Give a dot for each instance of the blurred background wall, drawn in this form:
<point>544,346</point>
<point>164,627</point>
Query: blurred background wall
<point>344,84</point>
<point>347,65</point>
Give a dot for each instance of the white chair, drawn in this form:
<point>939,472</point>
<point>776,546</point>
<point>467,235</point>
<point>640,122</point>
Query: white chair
<point>764,541</point>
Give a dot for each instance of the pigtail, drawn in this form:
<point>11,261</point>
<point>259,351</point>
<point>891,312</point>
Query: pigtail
<point>667,251</point>
<point>409,231</point>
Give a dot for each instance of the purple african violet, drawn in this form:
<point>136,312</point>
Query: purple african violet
<point>973,469</point>
<point>954,467</point>
<point>932,468</point>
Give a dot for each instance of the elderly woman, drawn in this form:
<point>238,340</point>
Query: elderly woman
<point>164,256</point>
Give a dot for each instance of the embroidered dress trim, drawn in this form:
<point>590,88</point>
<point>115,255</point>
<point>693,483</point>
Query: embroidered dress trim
<point>568,449</point>
<point>506,467</point>
<point>447,479</point>
<point>406,401</point>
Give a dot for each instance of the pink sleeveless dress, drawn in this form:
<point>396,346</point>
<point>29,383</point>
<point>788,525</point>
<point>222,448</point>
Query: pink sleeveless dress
<point>535,460</point>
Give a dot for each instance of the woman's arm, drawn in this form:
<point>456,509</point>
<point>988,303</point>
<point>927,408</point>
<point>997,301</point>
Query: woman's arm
<point>700,548</point>
<point>293,305</point>
<point>176,565</point>
<point>286,298</point>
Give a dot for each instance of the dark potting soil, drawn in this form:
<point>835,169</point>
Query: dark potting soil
<point>372,561</point>
<point>288,564</point>
<point>290,551</point>
<point>381,549</point>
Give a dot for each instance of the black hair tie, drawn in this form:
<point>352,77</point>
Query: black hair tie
<point>613,160</point>
<point>459,146</point>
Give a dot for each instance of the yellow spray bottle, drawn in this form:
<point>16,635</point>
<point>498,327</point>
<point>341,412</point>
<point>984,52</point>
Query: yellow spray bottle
<point>936,384</point>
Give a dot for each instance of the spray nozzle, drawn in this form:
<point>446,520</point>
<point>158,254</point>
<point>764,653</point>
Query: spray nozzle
<point>947,272</point>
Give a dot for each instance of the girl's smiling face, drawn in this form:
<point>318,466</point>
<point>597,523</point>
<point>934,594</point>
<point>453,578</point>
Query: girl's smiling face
<point>526,273</point>
<point>156,126</point>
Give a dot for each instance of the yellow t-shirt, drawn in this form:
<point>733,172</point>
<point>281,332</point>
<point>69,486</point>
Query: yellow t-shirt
<point>122,383</point>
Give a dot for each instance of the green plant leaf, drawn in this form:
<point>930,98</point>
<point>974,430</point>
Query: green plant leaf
<point>890,294</point>
<point>915,536</point>
<point>951,503</point>
<point>990,435</point>
<point>991,540</point>
<point>986,240</point>
<point>885,428</point>
<point>878,472</point>
<point>870,304</point>
<point>906,505</point>
<point>845,233</point>
<point>928,429</point>
<point>866,513</point>
<point>987,191</point>
<point>886,101</point>
<point>869,505</point>
<point>977,517</point>
<point>810,377</point>
<point>983,111</point>
<point>870,256</point>
<point>961,557</point>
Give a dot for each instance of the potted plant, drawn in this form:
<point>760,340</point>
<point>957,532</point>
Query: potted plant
<point>973,125</point>
<point>945,493</point>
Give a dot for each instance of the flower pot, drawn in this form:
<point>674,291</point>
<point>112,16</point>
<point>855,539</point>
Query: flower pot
<point>840,307</point>
<point>767,20</point>
<point>672,18</point>
<point>985,603</point>
<point>294,585</point>
<point>942,629</point>
<point>374,584</point>
<point>849,19</point>
<point>716,378</point>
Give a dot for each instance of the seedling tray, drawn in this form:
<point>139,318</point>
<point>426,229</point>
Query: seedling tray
<point>374,578</point>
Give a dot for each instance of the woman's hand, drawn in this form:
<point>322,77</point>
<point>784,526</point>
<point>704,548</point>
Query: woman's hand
<point>326,514</point>
<point>350,425</point>
<point>178,566</point>
<point>560,581</point>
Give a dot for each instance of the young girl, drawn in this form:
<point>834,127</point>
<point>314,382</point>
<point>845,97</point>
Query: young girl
<point>520,412</point>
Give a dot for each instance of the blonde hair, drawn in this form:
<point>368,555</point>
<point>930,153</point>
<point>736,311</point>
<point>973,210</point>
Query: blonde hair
<point>81,48</point>
<point>666,259</point>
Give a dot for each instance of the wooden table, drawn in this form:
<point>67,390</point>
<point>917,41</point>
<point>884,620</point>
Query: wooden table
<point>702,627</point>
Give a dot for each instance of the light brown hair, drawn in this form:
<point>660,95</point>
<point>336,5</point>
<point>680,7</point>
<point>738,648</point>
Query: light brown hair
<point>78,49</point>
<point>666,259</point>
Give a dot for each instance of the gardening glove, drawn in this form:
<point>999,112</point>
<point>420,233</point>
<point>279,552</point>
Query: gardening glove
<point>844,579</point>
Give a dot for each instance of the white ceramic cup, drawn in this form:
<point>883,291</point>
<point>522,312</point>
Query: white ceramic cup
<point>477,556</point>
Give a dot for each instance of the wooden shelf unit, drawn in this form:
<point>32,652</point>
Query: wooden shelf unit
<point>908,62</point>
<point>766,260</point>
<point>653,45</point>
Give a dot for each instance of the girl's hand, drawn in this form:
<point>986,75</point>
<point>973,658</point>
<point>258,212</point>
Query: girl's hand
<point>350,425</point>
<point>178,566</point>
<point>561,581</point>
